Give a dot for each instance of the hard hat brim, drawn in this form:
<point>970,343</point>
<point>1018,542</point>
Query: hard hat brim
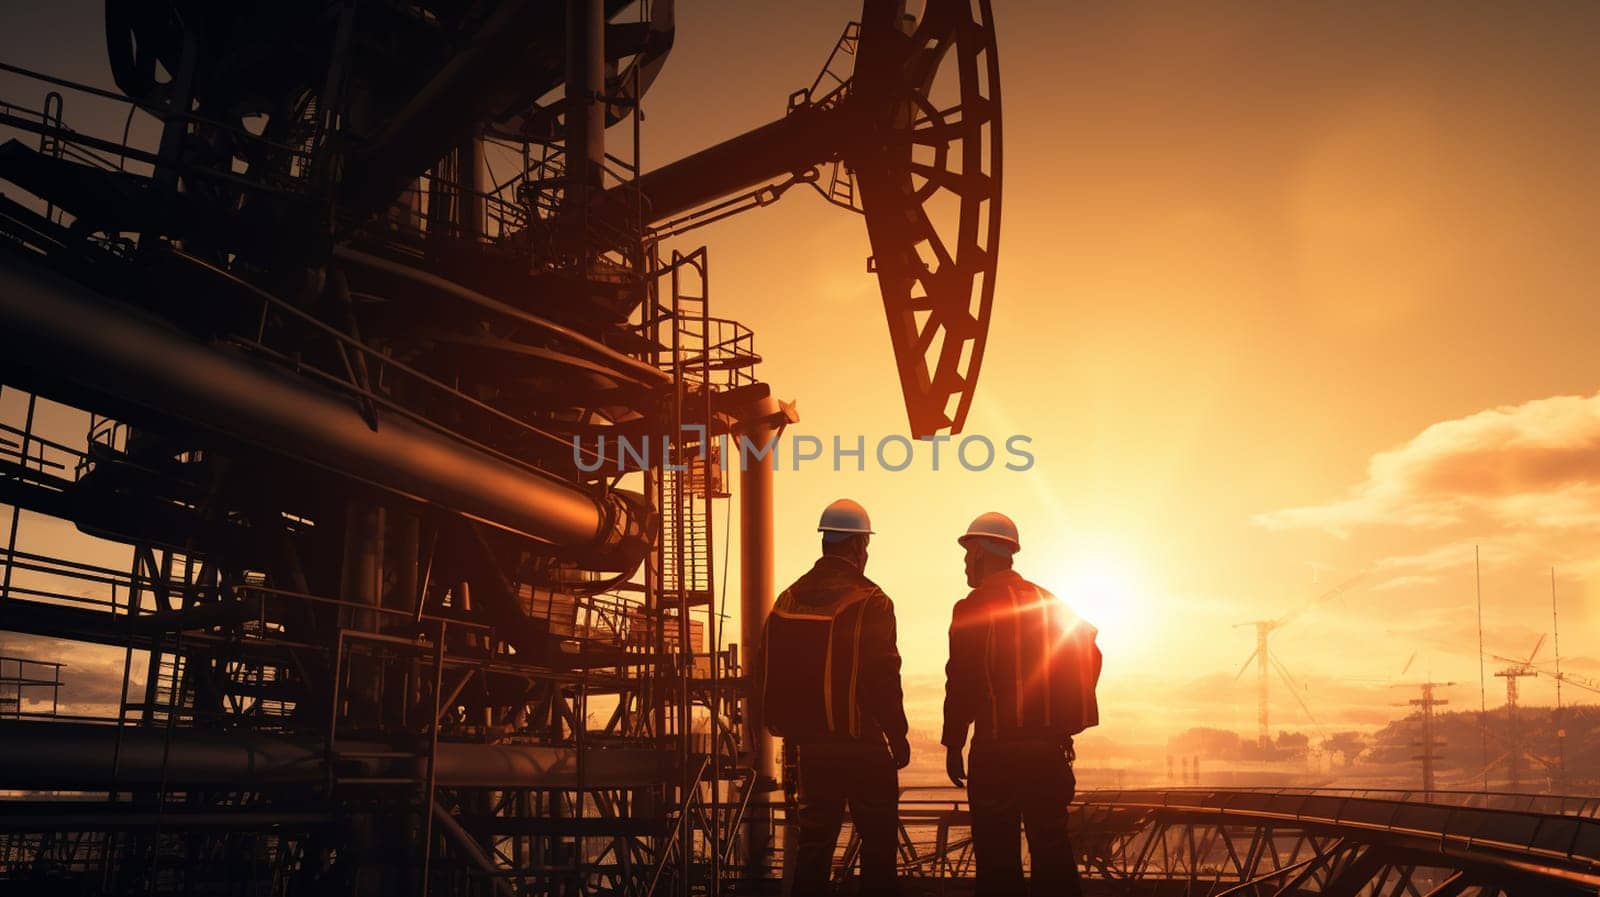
<point>969,537</point>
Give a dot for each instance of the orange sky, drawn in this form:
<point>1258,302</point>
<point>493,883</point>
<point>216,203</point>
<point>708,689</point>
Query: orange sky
<point>1243,253</point>
<point>1266,275</point>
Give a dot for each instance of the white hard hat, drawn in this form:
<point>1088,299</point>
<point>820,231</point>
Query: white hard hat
<point>846,518</point>
<point>992,526</point>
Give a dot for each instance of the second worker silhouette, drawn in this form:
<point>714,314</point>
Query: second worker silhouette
<point>831,688</point>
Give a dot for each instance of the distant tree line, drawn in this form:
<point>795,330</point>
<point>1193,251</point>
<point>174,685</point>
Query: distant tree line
<point>1460,744</point>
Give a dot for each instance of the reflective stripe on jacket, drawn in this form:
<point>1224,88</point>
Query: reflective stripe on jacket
<point>832,668</point>
<point>1022,665</point>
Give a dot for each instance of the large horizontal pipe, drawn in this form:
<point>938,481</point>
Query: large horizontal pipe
<point>805,137</point>
<point>59,327</point>
<point>74,815</point>
<point>81,756</point>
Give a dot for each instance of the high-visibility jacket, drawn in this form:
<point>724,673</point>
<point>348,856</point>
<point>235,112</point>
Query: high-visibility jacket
<point>1022,665</point>
<point>832,669</point>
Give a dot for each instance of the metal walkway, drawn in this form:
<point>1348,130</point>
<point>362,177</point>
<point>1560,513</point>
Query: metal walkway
<point>1280,842</point>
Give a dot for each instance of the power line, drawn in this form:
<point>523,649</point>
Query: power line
<point>1561,732</point>
<point>1483,687</point>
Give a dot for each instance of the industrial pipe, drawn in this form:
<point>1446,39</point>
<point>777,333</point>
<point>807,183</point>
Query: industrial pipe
<point>79,756</point>
<point>585,104</point>
<point>96,816</point>
<point>50,323</point>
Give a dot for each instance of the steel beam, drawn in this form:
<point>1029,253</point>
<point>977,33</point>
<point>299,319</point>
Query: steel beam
<point>805,137</point>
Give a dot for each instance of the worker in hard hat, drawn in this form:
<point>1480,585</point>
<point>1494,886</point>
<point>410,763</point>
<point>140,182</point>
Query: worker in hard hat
<point>1021,675</point>
<point>831,688</point>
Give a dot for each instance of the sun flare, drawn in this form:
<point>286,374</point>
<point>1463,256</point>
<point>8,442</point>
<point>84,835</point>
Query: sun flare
<point>1105,589</point>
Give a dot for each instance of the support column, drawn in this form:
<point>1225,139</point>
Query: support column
<point>586,107</point>
<point>755,601</point>
<point>470,187</point>
<point>361,582</point>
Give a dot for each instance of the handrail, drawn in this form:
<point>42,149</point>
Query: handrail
<point>158,111</point>
<point>1465,832</point>
<point>738,816</point>
<point>1548,846</point>
<point>691,797</point>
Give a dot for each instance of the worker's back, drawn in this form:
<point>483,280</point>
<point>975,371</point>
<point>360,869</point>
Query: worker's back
<point>832,670</point>
<point>1022,674</point>
<point>1023,665</point>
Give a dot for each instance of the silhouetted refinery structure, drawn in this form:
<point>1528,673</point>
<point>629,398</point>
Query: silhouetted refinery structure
<point>291,389</point>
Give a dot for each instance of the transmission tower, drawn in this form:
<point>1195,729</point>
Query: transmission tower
<point>1428,743</point>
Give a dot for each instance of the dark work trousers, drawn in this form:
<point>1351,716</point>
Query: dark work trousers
<point>833,775</point>
<point>1014,785</point>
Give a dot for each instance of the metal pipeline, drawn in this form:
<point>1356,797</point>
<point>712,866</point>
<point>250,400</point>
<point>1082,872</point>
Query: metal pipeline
<point>79,756</point>
<point>50,323</point>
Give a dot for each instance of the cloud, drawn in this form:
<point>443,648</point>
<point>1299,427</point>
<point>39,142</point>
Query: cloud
<point>1428,565</point>
<point>91,675</point>
<point>1533,465</point>
<point>1408,581</point>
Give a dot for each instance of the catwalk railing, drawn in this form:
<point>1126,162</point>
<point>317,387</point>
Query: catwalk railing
<point>1283,842</point>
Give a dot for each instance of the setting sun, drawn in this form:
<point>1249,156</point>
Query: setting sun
<point>1104,588</point>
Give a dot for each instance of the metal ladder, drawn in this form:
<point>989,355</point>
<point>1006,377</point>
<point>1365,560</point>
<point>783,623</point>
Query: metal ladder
<point>686,495</point>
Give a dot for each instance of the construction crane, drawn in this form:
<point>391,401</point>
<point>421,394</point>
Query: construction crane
<point>1565,677</point>
<point>1519,669</point>
<point>1266,661</point>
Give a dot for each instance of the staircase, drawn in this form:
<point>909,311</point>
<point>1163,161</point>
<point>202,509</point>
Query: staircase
<point>166,700</point>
